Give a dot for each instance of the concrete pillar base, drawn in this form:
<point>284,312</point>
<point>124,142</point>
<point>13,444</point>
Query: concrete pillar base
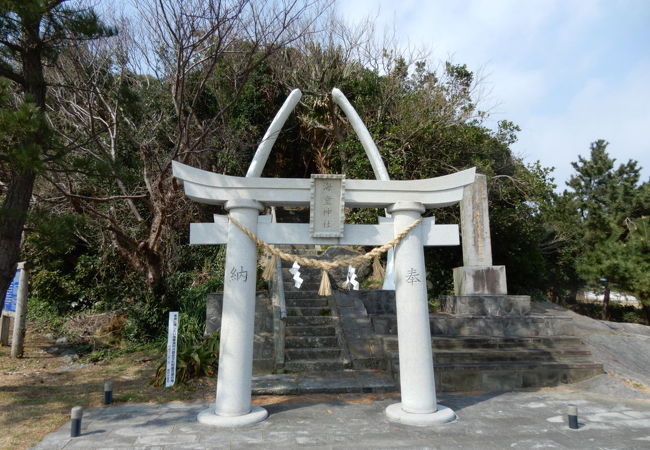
<point>208,417</point>
<point>395,413</point>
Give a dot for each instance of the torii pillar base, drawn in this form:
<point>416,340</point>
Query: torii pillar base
<point>443,414</point>
<point>209,417</point>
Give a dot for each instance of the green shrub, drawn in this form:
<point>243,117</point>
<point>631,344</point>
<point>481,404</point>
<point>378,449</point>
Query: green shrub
<point>196,355</point>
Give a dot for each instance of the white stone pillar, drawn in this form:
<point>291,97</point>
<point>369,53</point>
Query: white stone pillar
<point>233,405</point>
<point>417,382</point>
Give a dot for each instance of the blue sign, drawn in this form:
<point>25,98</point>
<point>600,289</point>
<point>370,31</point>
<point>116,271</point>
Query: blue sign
<point>12,293</point>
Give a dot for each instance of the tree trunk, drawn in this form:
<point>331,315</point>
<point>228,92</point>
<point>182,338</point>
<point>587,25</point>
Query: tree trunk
<point>12,220</point>
<point>154,266</point>
<point>605,315</point>
<point>19,192</point>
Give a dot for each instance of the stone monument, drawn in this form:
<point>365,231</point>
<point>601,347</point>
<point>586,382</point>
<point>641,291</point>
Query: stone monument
<point>480,288</point>
<point>477,275</point>
<point>245,198</point>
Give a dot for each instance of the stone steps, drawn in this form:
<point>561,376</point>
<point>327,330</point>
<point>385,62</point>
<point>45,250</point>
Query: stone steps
<point>303,294</point>
<point>321,353</point>
<point>505,376</point>
<point>484,342</point>
<point>488,363</point>
<point>514,375</point>
<point>509,355</point>
<point>533,325</point>
<point>307,285</point>
<point>314,311</point>
<point>311,276</point>
<point>307,302</point>
<point>310,342</point>
<point>314,365</point>
<point>488,353</point>
<point>310,331</point>
<point>309,320</point>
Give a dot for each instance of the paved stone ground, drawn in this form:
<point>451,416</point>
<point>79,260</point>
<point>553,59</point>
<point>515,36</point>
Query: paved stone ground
<point>612,418</point>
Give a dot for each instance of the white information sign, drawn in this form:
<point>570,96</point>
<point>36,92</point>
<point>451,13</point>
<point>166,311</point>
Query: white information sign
<point>172,338</point>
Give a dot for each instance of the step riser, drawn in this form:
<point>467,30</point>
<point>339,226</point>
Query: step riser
<point>313,354</point>
<point>310,342</point>
<point>302,321</point>
<point>450,358</point>
<point>504,327</point>
<point>310,331</point>
<point>303,294</point>
<point>314,366</point>
<point>306,285</point>
<point>390,344</point>
<point>485,378</point>
<point>550,344</point>
<point>507,356</point>
<point>306,303</point>
<point>505,380</point>
<point>293,311</point>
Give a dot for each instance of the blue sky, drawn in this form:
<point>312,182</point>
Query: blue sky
<point>567,71</point>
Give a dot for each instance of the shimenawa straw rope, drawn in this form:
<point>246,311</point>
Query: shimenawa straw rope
<point>325,266</point>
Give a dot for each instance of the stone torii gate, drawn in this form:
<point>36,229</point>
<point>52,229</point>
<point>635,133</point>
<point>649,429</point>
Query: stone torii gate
<point>245,197</point>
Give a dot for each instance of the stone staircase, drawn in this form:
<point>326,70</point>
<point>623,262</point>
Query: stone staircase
<point>313,342</point>
<point>480,363</point>
<point>350,338</point>
<point>482,352</point>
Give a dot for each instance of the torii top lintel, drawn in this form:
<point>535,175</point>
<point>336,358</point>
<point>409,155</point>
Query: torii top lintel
<point>212,188</point>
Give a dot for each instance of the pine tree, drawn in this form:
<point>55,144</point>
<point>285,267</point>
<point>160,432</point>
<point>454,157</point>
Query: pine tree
<point>606,200</point>
<point>32,34</point>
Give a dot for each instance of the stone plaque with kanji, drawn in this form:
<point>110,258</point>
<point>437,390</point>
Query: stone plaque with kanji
<point>326,216</point>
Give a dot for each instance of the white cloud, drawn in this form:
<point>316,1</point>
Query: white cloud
<point>568,71</point>
<point>618,113</point>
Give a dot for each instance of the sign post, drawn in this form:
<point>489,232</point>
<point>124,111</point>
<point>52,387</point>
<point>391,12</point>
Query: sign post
<point>172,339</point>
<point>18,338</point>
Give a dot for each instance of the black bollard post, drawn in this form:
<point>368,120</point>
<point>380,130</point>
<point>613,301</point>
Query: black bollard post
<point>108,392</point>
<point>573,416</point>
<point>75,427</point>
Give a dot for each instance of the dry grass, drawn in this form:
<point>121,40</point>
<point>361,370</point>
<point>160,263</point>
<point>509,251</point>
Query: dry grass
<point>36,395</point>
